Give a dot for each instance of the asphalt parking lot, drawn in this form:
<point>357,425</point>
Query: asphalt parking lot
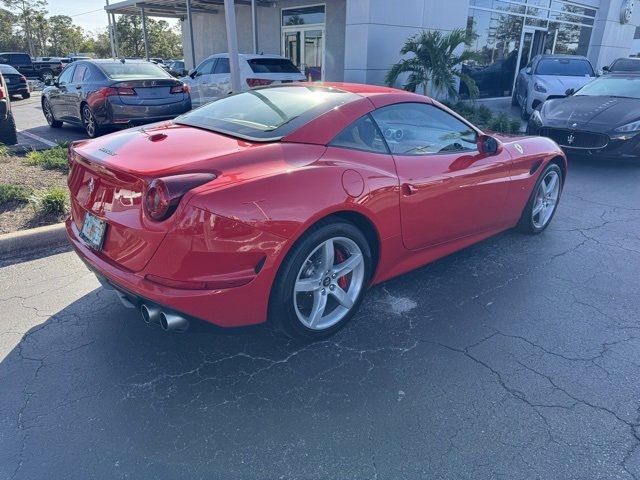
<point>33,130</point>
<point>517,358</point>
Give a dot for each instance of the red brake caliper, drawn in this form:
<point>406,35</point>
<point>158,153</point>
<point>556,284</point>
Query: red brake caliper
<point>342,281</point>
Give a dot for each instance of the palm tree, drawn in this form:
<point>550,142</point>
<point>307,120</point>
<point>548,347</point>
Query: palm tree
<point>434,62</point>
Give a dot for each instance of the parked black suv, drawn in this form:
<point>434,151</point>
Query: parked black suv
<point>16,82</point>
<point>8,134</point>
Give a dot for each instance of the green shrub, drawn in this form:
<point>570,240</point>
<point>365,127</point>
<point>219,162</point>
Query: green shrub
<point>51,159</point>
<point>502,123</point>
<point>52,201</point>
<point>13,193</point>
<point>482,117</point>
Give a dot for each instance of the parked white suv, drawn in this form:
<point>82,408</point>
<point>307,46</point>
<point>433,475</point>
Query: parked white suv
<point>212,78</point>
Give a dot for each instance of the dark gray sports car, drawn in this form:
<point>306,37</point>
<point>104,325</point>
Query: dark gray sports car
<point>602,118</point>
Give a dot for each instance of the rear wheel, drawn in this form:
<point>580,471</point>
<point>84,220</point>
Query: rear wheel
<point>25,94</point>
<point>8,134</point>
<point>322,281</point>
<point>46,75</point>
<point>543,203</point>
<point>48,114</point>
<point>89,122</point>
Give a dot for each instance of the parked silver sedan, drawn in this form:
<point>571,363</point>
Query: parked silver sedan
<point>547,77</point>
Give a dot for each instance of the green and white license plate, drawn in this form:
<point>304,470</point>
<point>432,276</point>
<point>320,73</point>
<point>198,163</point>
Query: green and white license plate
<point>93,230</point>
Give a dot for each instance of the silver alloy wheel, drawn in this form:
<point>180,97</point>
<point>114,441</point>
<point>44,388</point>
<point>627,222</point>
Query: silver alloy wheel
<point>329,283</point>
<point>546,199</point>
<point>48,114</point>
<point>88,121</point>
<point>47,76</point>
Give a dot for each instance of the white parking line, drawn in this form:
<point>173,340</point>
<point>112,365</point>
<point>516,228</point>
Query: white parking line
<point>33,136</point>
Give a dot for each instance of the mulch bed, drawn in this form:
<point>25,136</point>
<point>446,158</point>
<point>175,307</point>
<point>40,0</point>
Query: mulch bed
<point>19,216</point>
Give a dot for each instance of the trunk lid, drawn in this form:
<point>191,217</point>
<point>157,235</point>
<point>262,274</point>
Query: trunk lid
<point>151,91</point>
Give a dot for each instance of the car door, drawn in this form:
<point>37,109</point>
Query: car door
<point>57,95</point>
<point>220,82</point>
<point>74,94</point>
<point>448,189</point>
<point>200,88</point>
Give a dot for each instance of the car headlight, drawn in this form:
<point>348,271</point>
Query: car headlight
<point>539,88</point>
<point>629,127</point>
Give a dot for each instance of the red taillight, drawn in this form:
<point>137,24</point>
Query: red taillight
<point>163,195</point>
<point>184,88</point>
<point>1,92</point>
<point>114,91</point>
<point>258,82</point>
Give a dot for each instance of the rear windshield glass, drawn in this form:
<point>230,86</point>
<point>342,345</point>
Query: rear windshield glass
<point>610,86</point>
<point>129,71</point>
<point>272,65</point>
<point>266,114</point>
<point>567,67</point>
<point>624,65</point>
<point>8,69</point>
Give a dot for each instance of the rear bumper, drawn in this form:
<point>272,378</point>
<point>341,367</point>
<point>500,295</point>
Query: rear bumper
<point>129,115</point>
<point>18,88</point>
<point>236,306</point>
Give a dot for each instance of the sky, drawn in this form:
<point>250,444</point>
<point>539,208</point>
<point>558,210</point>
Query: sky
<point>89,14</point>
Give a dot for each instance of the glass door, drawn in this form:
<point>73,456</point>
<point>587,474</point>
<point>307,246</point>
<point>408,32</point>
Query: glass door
<point>304,46</point>
<point>532,43</point>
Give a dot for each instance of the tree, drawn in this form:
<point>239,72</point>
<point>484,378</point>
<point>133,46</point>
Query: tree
<point>9,40</point>
<point>26,11</point>
<point>434,62</point>
<point>164,41</point>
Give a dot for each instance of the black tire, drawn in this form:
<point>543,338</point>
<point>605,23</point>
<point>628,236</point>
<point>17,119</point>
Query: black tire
<point>8,134</point>
<point>523,108</point>
<point>282,313</point>
<point>46,74</point>
<point>25,94</point>
<point>526,223</point>
<point>89,119</point>
<point>514,99</point>
<point>48,114</point>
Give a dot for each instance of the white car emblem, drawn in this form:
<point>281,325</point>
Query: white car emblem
<point>574,125</point>
<point>91,185</point>
<point>518,147</point>
<point>570,139</point>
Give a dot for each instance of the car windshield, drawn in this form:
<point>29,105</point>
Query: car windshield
<point>8,69</point>
<point>625,65</point>
<point>272,65</point>
<point>565,67</point>
<point>610,86</point>
<point>266,114</point>
<point>128,71</point>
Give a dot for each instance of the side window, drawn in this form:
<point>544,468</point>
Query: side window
<point>66,75</point>
<point>205,67</point>
<point>79,74</point>
<point>361,135</point>
<point>4,58</point>
<point>222,66</point>
<point>421,129</point>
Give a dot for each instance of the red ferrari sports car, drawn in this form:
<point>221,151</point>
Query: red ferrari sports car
<point>285,203</point>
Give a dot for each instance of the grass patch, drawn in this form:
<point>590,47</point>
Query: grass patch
<point>52,201</point>
<point>4,151</point>
<point>51,159</point>
<point>13,193</point>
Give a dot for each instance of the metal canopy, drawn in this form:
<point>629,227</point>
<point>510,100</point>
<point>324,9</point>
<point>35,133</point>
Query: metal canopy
<point>173,8</point>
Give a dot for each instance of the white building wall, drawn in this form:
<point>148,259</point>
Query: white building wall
<point>610,39</point>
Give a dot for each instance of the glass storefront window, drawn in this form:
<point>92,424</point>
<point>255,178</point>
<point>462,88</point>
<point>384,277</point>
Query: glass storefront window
<point>303,15</point>
<point>507,34</point>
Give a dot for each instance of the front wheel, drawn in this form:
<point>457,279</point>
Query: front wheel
<point>543,203</point>
<point>322,281</point>
<point>523,108</point>
<point>48,114</point>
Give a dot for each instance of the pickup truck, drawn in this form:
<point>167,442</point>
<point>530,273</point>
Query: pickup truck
<point>32,69</point>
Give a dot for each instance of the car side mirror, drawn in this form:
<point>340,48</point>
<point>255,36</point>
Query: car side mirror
<point>569,92</point>
<point>192,73</point>
<point>488,145</point>
<point>605,68</point>
<point>528,71</point>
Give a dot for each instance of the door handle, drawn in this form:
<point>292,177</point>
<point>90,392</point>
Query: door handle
<point>409,189</point>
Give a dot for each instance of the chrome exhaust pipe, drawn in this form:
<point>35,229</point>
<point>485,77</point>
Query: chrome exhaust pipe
<point>173,321</point>
<point>150,313</point>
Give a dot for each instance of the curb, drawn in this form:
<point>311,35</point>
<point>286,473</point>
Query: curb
<point>16,244</point>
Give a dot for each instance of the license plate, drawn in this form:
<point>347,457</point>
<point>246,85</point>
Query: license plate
<point>93,230</point>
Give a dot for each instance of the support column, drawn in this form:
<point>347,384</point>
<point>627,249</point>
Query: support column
<point>254,25</point>
<point>111,27</point>
<point>232,42</point>
<point>145,37</point>
<point>193,48</point>
<point>115,34</point>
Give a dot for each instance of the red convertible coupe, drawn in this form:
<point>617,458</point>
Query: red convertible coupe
<point>285,203</point>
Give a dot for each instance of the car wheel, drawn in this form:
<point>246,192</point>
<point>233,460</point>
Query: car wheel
<point>322,281</point>
<point>48,114</point>
<point>89,122</point>
<point>46,75</point>
<point>523,108</point>
<point>543,203</point>
<point>25,94</point>
<point>514,99</point>
<point>8,134</point>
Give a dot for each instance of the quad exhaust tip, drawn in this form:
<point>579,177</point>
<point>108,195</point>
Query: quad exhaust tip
<point>150,313</point>
<point>173,321</point>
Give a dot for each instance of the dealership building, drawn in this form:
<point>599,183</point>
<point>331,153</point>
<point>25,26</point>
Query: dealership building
<point>359,40</point>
